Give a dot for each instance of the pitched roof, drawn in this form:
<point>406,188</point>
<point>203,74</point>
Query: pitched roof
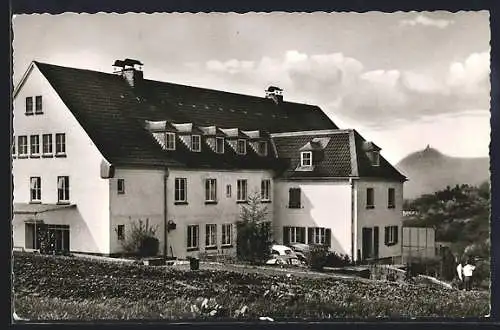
<point>113,114</point>
<point>342,156</point>
<point>336,157</point>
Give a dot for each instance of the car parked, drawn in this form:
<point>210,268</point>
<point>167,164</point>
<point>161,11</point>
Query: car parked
<point>281,255</point>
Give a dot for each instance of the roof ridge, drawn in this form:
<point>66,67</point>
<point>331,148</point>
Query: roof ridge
<point>311,106</point>
<point>313,132</point>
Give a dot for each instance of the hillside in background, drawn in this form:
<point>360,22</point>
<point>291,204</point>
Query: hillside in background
<point>429,170</point>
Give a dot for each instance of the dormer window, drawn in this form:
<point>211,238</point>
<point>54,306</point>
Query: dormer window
<point>375,158</point>
<point>242,147</point>
<point>219,145</point>
<point>306,158</point>
<point>262,148</point>
<point>170,141</point>
<point>196,143</point>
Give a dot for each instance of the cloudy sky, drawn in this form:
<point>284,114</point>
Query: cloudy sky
<point>403,80</point>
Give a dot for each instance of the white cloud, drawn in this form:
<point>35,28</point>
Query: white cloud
<point>426,21</point>
<point>470,75</point>
<point>343,88</point>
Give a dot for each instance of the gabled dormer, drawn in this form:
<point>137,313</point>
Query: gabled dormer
<point>189,135</point>
<point>372,152</point>
<point>163,132</point>
<point>258,141</point>
<point>312,153</point>
<point>236,139</point>
<point>214,137</point>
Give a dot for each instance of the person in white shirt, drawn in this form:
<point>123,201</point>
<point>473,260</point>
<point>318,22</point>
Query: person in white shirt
<point>468,270</point>
<point>460,277</point>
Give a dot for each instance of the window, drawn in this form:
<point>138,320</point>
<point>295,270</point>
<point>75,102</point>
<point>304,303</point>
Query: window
<point>318,235</point>
<point>38,104</point>
<point>292,235</point>
<point>306,158</point>
<point>34,145</point>
<point>14,146</point>
<point>210,190</point>
<point>265,190</point>
<point>370,198</point>
<point>63,189</point>
<point>22,145</point>
<point>180,190</point>
<point>228,191</point>
<point>242,147</point>
<point>241,191</point>
<point>294,198</point>
<point>391,235</point>
<point>210,235</point>
<point>375,158</point>
<point>120,232</point>
<point>193,236</point>
<point>35,232</point>
<point>219,145</point>
<point>121,186</point>
<point>196,143</point>
<point>227,234</point>
<point>35,189</point>
<point>60,144</point>
<point>262,148</point>
<point>391,198</point>
<point>47,144</point>
<point>170,141</point>
<point>29,105</point>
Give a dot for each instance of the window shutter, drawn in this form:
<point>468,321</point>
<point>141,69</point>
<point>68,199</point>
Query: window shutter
<point>396,233</point>
<point>286,235</point>
<point>386,236</point>
<point>375,241</point>
<point>310,235</point>
<point>328,237</point>
<point>302,231</point>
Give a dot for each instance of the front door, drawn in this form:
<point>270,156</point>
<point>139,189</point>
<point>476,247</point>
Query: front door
<point>367,238</point>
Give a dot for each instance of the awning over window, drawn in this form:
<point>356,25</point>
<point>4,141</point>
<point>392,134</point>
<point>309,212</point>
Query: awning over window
<point>27,208</point>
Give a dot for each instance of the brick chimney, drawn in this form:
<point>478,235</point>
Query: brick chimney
<point>274,93</point>
<point>130,70</point>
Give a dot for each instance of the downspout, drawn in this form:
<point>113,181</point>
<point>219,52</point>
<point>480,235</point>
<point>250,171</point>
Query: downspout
<point>165,217</point>
<point>353,225</point>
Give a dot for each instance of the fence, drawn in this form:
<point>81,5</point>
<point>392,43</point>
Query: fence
<point>418,243</point>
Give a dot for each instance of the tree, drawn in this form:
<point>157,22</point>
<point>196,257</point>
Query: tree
<point>254,239</point>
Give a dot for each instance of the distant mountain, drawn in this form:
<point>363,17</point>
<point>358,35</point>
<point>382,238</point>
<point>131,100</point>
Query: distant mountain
<point>429,170</point>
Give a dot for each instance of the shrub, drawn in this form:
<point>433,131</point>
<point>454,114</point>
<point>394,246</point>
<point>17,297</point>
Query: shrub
<point>318,256</point>
<point>334,259</point>
<point>141,240</point>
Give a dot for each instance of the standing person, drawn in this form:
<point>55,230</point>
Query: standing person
<point>460,277</point>
<point>468,269</point>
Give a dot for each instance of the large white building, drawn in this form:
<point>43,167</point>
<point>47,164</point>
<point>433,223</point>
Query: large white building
<point>93,152</point>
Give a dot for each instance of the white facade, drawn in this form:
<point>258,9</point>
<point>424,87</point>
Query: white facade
<point>226,210</point>
<point>142,199</point>
<point>340,205</point>
<point>89,222</point>
<point>381,215</point>
<point>324,204</point>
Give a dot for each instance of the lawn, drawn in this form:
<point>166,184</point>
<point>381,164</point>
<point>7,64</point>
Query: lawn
<point>55,288</point>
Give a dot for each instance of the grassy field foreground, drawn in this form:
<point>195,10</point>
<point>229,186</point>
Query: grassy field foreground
<point>55,288</point>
